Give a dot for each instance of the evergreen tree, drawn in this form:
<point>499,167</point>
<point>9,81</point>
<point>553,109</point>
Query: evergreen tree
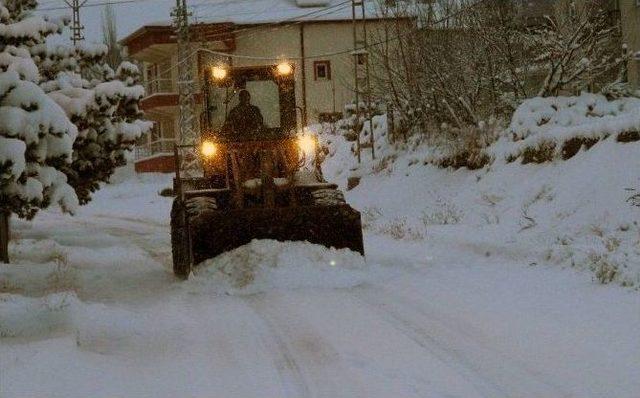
<point>36,136</point>
<point>66,118</point>
<point>102,104</point>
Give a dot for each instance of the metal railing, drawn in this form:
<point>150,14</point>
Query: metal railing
<point>161,146</point>
<point>164,85</point>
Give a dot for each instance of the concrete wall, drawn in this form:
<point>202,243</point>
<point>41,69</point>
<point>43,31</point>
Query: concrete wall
<point>328,96</point>
<point>630,14</point>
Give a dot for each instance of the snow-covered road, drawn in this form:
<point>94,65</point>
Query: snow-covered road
<point>436,318</point>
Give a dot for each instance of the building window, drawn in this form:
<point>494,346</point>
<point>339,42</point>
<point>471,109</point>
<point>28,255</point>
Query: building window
<point>322,70</point>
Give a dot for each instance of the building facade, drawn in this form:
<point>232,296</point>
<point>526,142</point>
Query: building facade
<point>324,80</point>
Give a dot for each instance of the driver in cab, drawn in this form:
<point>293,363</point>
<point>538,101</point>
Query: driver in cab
<point>244,120</point>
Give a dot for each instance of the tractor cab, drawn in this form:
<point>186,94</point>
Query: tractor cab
<point>250,143</point>
<point>271,93</point>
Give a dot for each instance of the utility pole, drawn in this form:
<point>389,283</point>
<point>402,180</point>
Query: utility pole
<point>362,73</point>
<point>190,166</point>
<point>356,77</point>
<point>76,26</point>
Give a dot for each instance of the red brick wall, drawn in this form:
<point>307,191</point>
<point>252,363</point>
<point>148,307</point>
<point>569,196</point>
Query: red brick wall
<point>159,164</point>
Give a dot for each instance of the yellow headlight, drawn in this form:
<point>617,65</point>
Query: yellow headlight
<point>219,72</point>
<point>208,149</point>
<point>284,68</point>
<point>307,144</point>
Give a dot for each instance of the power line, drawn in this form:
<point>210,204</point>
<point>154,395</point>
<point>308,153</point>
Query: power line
<point>330,54</point>
<point>322,55</point>
<point>104,3</point>
<point>295,19</point>
<point>276,26</point>
<point>279,25</point>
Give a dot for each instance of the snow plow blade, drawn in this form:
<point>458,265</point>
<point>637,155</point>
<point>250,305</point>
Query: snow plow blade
<point>219,231</point>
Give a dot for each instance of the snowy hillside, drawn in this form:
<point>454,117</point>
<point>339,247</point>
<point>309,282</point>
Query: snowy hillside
<point>572,213</point>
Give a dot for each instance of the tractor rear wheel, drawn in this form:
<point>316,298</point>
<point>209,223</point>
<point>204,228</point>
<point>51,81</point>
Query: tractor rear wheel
<point>180,241</point>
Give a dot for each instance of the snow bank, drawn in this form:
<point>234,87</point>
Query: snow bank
<point>556,120</point>
<point>37,251</point>
<point>572,213</point>
<point>553,116</point>
<point>265,265</point>
<point>29,317</point>
<point>95,327</point>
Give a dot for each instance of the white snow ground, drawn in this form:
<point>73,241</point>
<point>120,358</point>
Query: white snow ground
<point>90,308</point>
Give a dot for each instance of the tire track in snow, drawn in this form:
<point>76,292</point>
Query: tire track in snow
<point>318,366</point>
<point>132,220</point>
<point>145,279</point>
<point>493,373</point>
<point>291,378</point>
<point>161,255</point>
<point>142,239</point>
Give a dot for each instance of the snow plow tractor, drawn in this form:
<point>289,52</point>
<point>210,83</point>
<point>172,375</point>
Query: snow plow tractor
<point>259,177</point>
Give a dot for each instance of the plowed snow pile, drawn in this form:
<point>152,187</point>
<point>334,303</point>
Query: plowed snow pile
<point>265,265</point>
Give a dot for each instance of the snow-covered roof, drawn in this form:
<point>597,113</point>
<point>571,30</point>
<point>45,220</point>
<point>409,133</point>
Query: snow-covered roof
<point>273,11</point>
<point>256,12</point>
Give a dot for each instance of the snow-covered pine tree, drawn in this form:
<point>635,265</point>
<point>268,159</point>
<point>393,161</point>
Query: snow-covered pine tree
<point>121,123</point>
<point>36,136</point>
<point>129,121</point>
<point>101,103</point>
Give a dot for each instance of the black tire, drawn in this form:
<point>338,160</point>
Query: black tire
<point>328,197</point>
<point>200,206</point>
<point>180,241</point>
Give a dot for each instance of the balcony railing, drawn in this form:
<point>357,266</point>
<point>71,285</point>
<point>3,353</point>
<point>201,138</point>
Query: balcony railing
<point>163,146</point>
<point>157,86</point>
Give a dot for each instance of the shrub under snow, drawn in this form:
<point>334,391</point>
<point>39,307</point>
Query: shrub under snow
<point>543,129</point>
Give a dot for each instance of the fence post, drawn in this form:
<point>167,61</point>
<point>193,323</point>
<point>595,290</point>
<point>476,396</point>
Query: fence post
<point>4,236</point>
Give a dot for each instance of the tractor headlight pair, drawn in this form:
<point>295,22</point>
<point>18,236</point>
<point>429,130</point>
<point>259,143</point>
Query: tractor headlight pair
<point>208,149</point>
<point>221,72</point>
<point>306,143</point>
